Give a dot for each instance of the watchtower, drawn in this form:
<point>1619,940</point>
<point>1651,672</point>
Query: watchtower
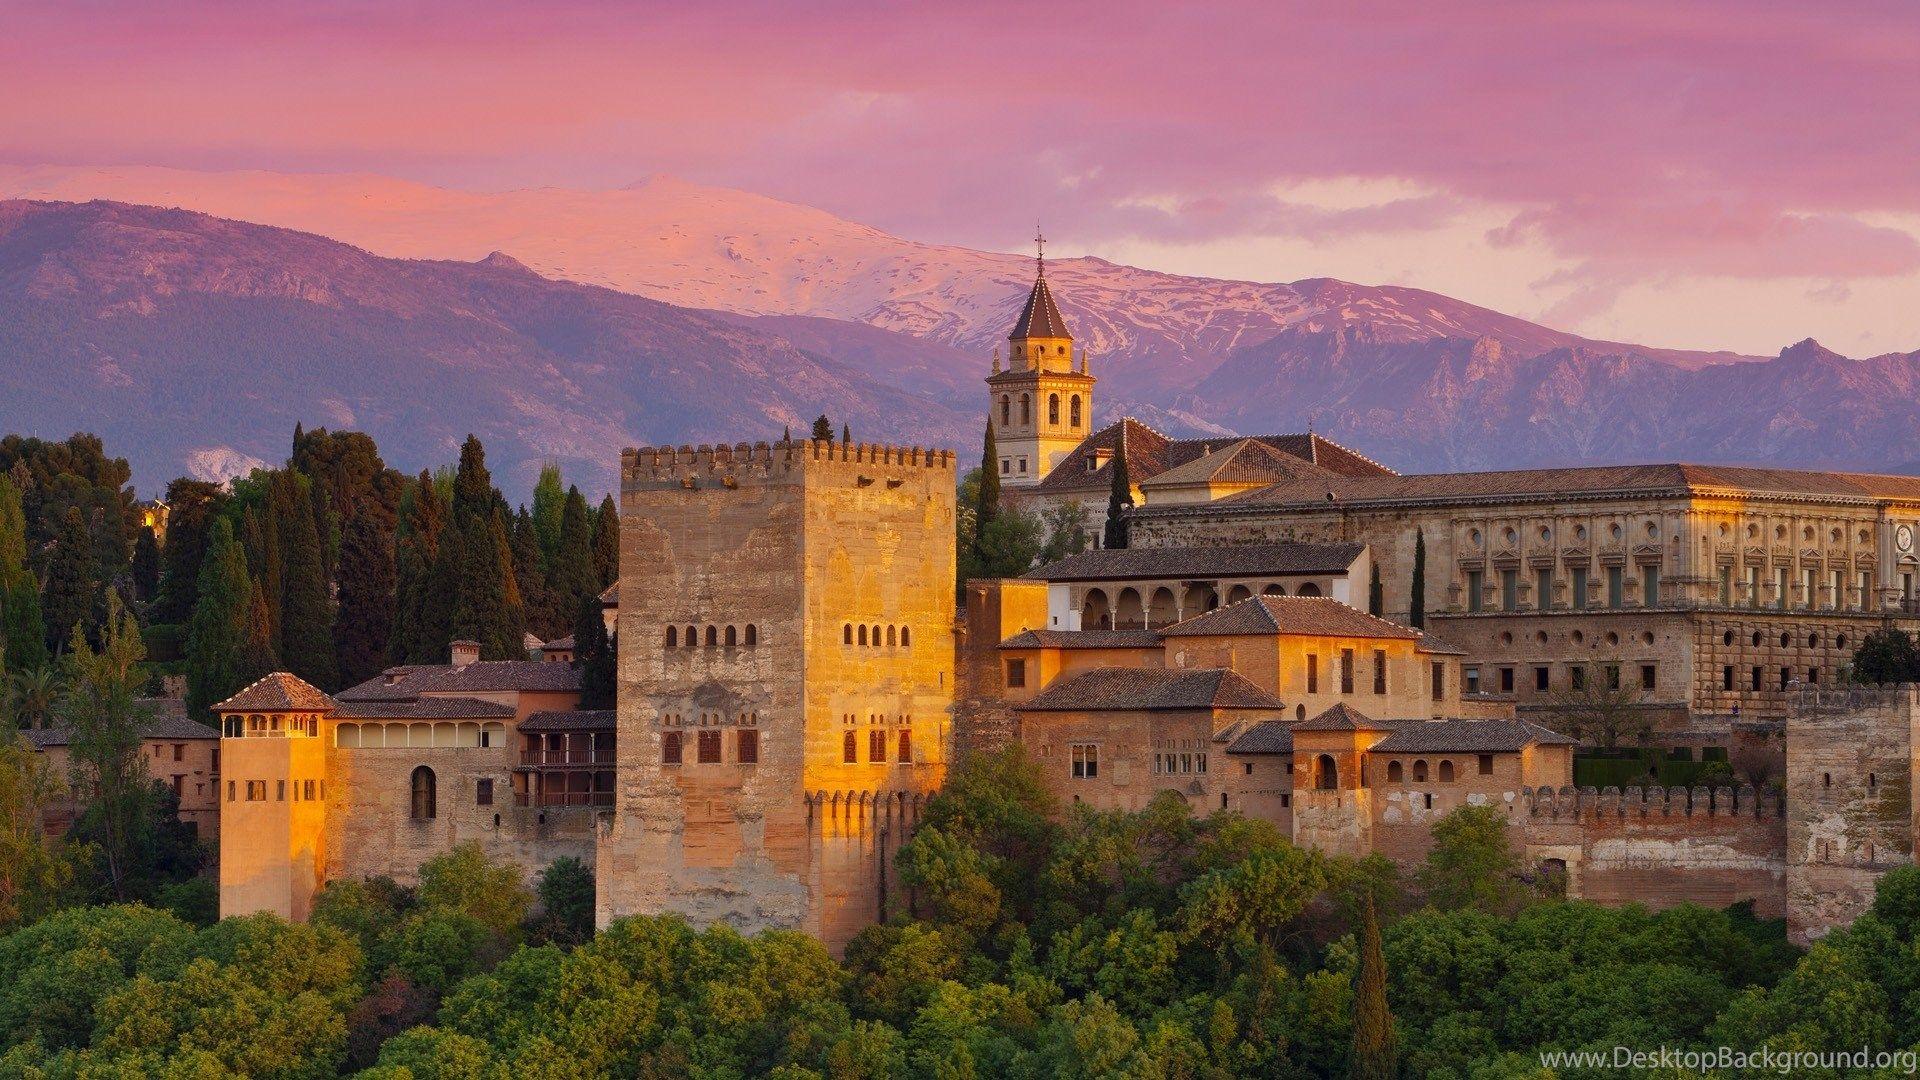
<point>1041,405</point>
<point>273,812</point>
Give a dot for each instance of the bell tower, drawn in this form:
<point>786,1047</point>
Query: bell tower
<point>1041,403</point>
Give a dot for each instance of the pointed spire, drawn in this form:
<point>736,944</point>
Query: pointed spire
<point>1039,252</point>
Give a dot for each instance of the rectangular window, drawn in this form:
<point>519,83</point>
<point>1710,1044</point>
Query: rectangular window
<point>1866,590</point>
<point>1753,586</point>
<point>849,748</point>
<point>1006,466</point>
<point>1756,676</point>
<point>1509,590</point>
<point>1023,466</point>
<point>1086,761</point>
<point>1313,674</point>
<point>1726,677</point>
<point>1808,593</point>
<point>670,753</point>
<point>906,746</point>
<point>707,749</point>
<point>1613,676</point>
<point>1543,589</point>
<point>1471,676</point>
<point>483,792</point>
<point>1506,680</point>
<point>1650,585</point>
<point>280,786</point>
<point>230,791</point>
<point>1577,598</point>
<point>1646,676</point>
<point>1616,587</point>
<point>256,791</point>
<point>216,762</point>
<point>877,746</point>
<point>1486,764</point>
<point>1473,590</point>
<point>1016,673</point>
<point>1379,671</point>
<point>1542,679</point>
<point>308,785</point>
<point>747,746</point>
<point>1780,589</point>
<point>1346,671</point>
<point>1726,586</point>
<point>1577,677</point>
<point>1839,587</point>
<point>1786,676</point>
<point>179,751</point>
<point>1439,680</point>
<point>1200,763</point>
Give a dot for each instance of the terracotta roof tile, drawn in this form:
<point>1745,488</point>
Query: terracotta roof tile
<point>1467,737</point>
<point>484,676</point>
<point>1150,453</point>
<point>1266,737</point>
<point>1318,616</point>
<point>1344,717</point>
<point>278,692</point>
<point>570,720</point>
<point>1083,639</point>
<point>1040,318</point>
<point>1151,689</point>
<point>426,708</point>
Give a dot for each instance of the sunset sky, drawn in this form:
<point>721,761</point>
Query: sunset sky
<point>1717,175</point>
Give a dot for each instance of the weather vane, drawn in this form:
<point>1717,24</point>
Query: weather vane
<point>1040,250</point>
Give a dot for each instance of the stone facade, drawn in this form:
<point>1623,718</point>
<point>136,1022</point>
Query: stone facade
<point>767,774</point>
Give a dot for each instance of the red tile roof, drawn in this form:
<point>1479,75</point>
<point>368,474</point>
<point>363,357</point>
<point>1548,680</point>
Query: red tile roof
<point>278,692</point>
<point>1151,690</point>
<point>1258,616</point>
<point>1150,453</point>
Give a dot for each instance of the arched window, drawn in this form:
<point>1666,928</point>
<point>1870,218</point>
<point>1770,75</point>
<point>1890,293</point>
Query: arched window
<point>673,637</point>
<point>876,637</point>
<point>1073,411</point>
<point>892,637</point>
<point>1026,411</point>
<point>1394,772</point>
<point>1238,593</point>
<point>423,794</point>
<point>1276,589</point>
<point>1053,408</point>
<point>1161,610</point>
<point>1420,771</point>
<point>1446,772</point>
<point>846,634</point>
<point>753,636</point>
<point>863,635</point>
<point>1309,589</point>
<point>906,637</point>
<point>713,636</point>
<point>1127,612</point>
<point>693,636</point>
<point>1006,410</point>
<point>732,639</point>
<point>1094,610</point>
<point>1326,775</point>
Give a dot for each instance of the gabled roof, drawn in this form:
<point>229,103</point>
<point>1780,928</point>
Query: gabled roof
<point>1344,717</point>
<point>1083,639</point>
<point>570,720</point>
<point>1467,737</point>
<point>610,596</point>
<point>1239,560</point>
<point>1246,461</point>
<point>1151,690</point>
<point>1150,453</point>
<point>169,721</point>
<point>481,677</point>
<point>1259,616</point>
<point>426,708</point>
<point>1265,737</point>
<point>278,692</point>
<point>1040,318</point>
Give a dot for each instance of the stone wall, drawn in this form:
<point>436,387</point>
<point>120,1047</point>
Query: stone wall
<point>1662,847</point>
<point>1850,776</point>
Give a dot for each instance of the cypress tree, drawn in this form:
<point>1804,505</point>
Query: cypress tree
<point>574,576</point>
<point>846,435</point>
<point>822,429</point>
<point>257,657</point>
<point>191,507</point>
<point>1417,606</point>
<point>1119,499</point>
<point>1376,595</point>
<point>606,544</point>
<point>543,616</point>
<point>217,635</point>
<point>986,503</point>
<point>593,656</point>
<point>367,596</point>
<point>1374,1056</point>
<point>72,591</point>
<point>306,610</point>
<point>260,539</point>
<point>418,620</point>
<point>548,498</point>
<point>22,631</point>
<point>786,433</point>
<point>146,564</point>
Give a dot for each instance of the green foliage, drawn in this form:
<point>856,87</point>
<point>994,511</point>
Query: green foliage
<point>1374,1053</point>
<point>822,429</point>
<point>1887,655</point>
<point>72,591</point>
<point>423,610</point>
<point>464,881</point>
<point>566,892</point>
<point>1417,600</point>
<point>986,496</point>
<point>548,498</point>
<point>306,609</point>
<point>23,633</point>
<point>1065,525</point>
<point>368,582</point>
<point>1119,497</point>
<point>219,633</point>
<point>192,508</point>
<point>594,654</point>
<point>476,569</point>
<point>1376,593</point>
<point>606,544</point>
<point>146,564</point>
<point>1472,863</point>
<point>35,868</point>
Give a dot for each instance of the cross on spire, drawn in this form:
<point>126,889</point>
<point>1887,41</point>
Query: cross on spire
<point>1040,251</point>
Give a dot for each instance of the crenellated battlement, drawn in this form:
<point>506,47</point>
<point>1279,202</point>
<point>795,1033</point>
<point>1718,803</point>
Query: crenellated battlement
<point>1593,805</point>
<point>640,466</point>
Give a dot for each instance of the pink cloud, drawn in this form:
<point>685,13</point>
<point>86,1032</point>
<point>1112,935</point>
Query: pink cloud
<point>1639,137</point>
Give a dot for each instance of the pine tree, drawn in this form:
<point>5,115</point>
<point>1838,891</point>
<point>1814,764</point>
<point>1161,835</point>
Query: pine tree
<point>306,610</point>
<point>1119,499</point>
<point>1417,606</point>
<point>606,545</point>
<point>217,635</point>
<point>1374,1056</point>
<point>986,504</point>
<point>367,596</point>
<point>822,429</point>
<point>548,499</point>
<point>593,655</point>
<point>72,591</point>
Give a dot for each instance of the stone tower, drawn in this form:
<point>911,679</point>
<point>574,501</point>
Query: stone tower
<point>273,810</point>
<point>786,678</point>
<point>1041,403</point>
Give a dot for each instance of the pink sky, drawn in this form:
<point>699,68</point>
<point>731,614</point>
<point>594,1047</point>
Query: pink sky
<point>1703,174</point>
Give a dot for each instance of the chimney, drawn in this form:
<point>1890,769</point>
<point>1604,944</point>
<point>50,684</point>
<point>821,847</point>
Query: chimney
<point>465,652</point>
